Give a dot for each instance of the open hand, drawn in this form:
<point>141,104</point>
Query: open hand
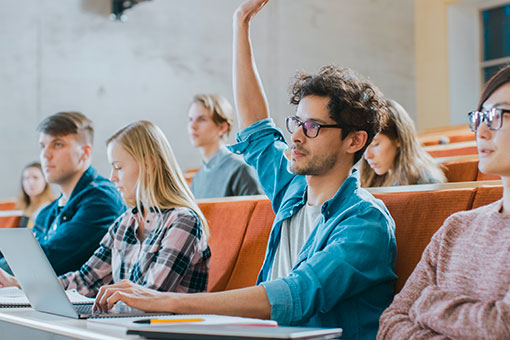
<point>249,9</point>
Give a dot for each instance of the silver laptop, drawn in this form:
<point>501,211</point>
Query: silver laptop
<point>232,332</point>
<point>39,281</point>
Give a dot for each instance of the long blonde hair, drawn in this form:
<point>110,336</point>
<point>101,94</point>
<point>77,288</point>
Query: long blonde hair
<point>412,163</point>
<point>161,184</point>
<point>24,202</point>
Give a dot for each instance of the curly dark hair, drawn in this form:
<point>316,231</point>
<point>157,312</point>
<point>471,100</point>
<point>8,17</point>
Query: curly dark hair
<point>355,103</point>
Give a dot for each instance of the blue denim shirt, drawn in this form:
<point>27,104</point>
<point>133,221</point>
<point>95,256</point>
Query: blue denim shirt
<point>344,275</point>
<point>92,207</point>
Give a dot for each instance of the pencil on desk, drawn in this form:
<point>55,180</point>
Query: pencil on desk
<point>151,321</point>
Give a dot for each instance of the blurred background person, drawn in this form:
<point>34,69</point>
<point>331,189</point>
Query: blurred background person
<point>395,156</point>
<point>35,192</point>
<point>222,173</point>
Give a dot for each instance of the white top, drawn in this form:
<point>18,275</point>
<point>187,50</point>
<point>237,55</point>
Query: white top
<point>295,232</point>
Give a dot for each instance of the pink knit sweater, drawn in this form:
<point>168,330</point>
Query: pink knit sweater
<point>461,287</point>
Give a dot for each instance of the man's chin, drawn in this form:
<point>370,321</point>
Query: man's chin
<point>297,170</point>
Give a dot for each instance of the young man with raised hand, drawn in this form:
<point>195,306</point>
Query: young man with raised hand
<point>70,228</point>
<point>331,252</point>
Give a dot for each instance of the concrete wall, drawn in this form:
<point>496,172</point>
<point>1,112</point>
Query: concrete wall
<point>67,55</point>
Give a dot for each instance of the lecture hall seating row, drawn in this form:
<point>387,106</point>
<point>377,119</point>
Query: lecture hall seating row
<point>240,226</point>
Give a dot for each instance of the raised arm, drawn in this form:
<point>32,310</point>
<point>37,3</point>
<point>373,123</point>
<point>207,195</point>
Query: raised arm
<point>250,100</point>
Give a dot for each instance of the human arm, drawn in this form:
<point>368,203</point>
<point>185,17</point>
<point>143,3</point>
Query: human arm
<point>249,96</point>
<point>97,271</point>
<point>462,317</point>
<point>349,260</point>
<point>263,147</point>
<point>246,302</point>
<point>396,322</point>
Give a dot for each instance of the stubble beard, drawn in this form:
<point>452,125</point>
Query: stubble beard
<point>318,165</point>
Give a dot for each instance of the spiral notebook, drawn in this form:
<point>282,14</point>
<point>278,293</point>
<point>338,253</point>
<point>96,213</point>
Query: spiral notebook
<point>13,297</point>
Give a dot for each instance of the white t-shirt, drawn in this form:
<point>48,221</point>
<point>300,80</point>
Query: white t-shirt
<point>295,232</point>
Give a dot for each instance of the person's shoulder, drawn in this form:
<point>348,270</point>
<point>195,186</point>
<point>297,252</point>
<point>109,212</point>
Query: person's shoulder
<point>101,187</point>
<point>234,161</point>
<point>99,192</point>
<point>179,213</point>
<point>479,213</point>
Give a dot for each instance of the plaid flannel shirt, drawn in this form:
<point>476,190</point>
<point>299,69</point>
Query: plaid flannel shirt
<point>172,256</point>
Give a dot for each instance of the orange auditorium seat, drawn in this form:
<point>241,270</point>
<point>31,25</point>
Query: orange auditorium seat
<point>487,194</point>
<point>418,215</point>
<point>8,219</point>
<point>254,245</point>
<point>449,150</point>
<point>227,221</point>
<point>8,205</point>
<point>461,171</point>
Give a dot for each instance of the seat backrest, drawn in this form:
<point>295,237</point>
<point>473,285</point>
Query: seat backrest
<point>480,176</point>
<point>12,219</point>
<point>8,205</point>
<point>453,151</point>
<point>254,245</point>
<point>486,195</point>
<point>461,171</point>
<point>227,221</point>
<point>418,215</point>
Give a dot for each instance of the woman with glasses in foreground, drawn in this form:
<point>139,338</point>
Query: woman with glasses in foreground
<point>460,288</point>
<point>395,156</point>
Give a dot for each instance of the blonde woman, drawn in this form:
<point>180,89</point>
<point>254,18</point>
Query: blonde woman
<point>395,156</point>
<point>35,192</point>
<point>160,242</point>
<point>222,173</point>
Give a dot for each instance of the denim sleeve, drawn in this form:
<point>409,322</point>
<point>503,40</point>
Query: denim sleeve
<point>76,238</point>
<point>263,147</point>
<point>359,255</point>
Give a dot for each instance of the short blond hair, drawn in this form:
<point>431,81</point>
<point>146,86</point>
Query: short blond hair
<point>161,184</point>
<point>67,123</point>
<point>220,108</point>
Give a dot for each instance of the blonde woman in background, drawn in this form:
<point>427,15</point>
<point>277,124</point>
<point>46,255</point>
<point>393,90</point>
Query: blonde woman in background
<point>395,156</point>
<point>222,173</point>
<point>160,242</point>
<point>35,192</point>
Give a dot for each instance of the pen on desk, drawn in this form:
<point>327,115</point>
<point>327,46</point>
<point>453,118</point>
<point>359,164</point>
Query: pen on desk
<point>151,321</point>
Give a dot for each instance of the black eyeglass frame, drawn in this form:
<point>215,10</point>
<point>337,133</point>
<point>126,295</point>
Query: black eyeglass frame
<point>487,117</point>
<point>314,124</point>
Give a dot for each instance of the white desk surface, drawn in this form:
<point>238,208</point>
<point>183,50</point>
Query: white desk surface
<point>73,328</point>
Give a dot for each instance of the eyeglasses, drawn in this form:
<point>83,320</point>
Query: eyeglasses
<point>493,118</point>
<point>311,129</point>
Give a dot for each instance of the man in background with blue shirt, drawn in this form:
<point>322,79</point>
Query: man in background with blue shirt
<point>70,228</point>
<point>331,252</point>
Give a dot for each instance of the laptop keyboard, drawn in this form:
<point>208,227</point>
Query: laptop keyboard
<point>83,309</point>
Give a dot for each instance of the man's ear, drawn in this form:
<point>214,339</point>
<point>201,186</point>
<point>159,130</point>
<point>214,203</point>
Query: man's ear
<point>87,151</point>
<point>356,141</point>
<point>224,129</point>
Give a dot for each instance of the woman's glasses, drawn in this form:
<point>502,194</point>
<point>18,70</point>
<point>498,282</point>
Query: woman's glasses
<point>493,118</point>
<point>310,129</point>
